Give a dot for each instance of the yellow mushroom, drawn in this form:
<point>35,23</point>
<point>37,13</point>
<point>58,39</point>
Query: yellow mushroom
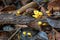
<point>39,23</point>
<point>48,13</point>
<point>24,33</point>
<point>37,14</point>
<point>18,13</point>
<point>44,24</point>
<point>40,13</point>
<point>29,34</point>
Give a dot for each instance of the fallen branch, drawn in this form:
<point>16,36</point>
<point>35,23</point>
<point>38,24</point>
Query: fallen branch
<point>30,5</point>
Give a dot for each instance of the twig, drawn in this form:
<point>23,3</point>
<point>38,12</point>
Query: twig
<point>14,34</point>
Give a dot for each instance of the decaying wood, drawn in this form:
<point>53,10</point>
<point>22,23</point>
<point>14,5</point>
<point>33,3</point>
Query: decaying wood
<point>54,4</point>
